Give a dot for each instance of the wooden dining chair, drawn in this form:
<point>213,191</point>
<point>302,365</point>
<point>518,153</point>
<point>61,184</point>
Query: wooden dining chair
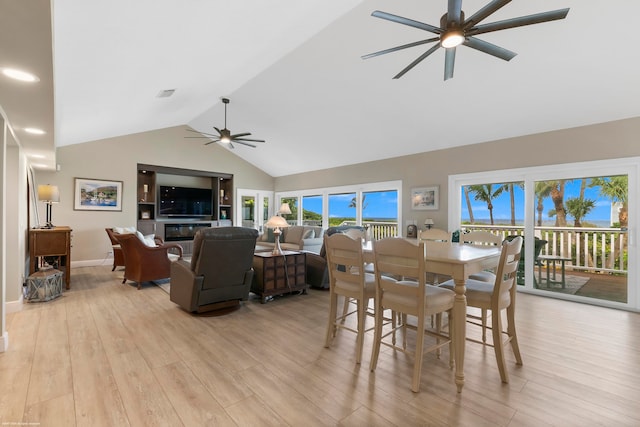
<point>395,257</point>
<point>435,235</point>
<point>498,297</point>
<point>348,279</point>
<point>482,238</point>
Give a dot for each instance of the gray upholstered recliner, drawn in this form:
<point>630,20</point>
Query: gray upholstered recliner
<point>220,272</point>
<point>317,273</point>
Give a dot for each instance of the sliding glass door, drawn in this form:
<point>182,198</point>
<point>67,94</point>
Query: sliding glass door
<point>575,221</point>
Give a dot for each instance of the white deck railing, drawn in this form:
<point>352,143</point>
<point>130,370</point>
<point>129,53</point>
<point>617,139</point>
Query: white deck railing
<point>601,250</point>
<point>590,249</point>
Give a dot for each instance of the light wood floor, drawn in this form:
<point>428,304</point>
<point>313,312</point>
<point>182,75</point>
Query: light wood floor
<point>106,354</point>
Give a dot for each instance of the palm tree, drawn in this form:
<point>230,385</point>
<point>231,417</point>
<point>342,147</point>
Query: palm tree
<point>543,190</point>
<point>486,193</point>
<point>557,196</point>
<point>468,200</point>
<point>353,203</point>
<point>510,187</point>
<point>579,208</point>
<point>616,188</point>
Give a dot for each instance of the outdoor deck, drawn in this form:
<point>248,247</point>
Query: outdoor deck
<point>606,287</point>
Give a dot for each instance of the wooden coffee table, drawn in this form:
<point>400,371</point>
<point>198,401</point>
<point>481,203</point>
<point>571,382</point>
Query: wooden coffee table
<point>279,274</point>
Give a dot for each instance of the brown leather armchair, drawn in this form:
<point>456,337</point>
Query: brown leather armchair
<point>220,272</point>
<point>118,256</point>
<point>144,263</point>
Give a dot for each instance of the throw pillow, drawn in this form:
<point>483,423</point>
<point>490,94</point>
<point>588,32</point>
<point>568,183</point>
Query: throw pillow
<point>294,234</point>
<point>147,240</point>
<point>124,230</point>
<point>308,234</point>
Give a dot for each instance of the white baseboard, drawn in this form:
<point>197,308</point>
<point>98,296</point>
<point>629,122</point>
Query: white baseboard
<point>92,262</point>
<point>4,342</point>
<point>14,306</point>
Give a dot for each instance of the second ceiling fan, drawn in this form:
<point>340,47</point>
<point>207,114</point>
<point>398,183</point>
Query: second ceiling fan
<point>224,135</point>
<point>455,30</point>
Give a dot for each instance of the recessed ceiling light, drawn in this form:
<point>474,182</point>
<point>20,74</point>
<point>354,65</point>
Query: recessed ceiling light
<point>20,75</point>
<point>165,93</point>
<point>34,131</point>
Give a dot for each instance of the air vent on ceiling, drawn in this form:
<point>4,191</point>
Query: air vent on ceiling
<point>165,93</point>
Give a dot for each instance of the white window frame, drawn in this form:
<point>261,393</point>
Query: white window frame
<point>529,175</point>
<point>358,189</point>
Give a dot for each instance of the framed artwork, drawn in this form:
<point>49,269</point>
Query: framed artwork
<point>425,198</point>
<point>97,195</point>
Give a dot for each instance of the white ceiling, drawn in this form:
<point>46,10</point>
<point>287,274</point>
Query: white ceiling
<point>293,72</point>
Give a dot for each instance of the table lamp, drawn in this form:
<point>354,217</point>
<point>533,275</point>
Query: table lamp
<point>284,209</point>
<point>276,222</point>
<point>48,194</point>
<point>428,223</point>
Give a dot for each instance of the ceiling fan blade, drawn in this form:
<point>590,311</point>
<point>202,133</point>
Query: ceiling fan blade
<point>453,11</point>
<point>203,135</point>
<point>407,21</point>
<point>490,8</point>
<point>449,61</point>
<point>239,135</point>
<point>248,139</point>
<point>417,61</point>
<point>211,142</point>
<point>518,22</point>
<point>490,48</point>
<point>218,130</point>
<point>244,143</point>
<point>231,146</point>
<point>397,48</point>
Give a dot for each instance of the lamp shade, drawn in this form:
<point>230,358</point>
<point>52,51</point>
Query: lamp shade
<point>284,209</point>
<point>277,221</point>
<point>428,221</point>
<point>48,193</point>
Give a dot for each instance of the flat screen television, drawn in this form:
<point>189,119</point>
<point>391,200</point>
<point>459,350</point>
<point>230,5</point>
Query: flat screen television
<point>185,201</point>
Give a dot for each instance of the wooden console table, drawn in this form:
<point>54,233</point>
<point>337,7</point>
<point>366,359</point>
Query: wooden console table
<point>278,274</point>
<point>51,242</point>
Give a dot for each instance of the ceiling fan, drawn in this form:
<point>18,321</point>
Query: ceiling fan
<point>224,135</point>
<point>455,30</point>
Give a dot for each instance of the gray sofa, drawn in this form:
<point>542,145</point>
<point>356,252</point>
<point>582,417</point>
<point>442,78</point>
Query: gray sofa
<point>295,238</point>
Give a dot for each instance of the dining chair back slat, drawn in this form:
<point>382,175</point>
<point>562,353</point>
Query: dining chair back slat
<point>401,287</point>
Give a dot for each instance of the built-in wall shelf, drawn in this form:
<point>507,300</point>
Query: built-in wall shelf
<point>152,213</point>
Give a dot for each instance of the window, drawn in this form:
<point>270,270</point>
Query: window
<point>312,210</point>
<point>375,205</point>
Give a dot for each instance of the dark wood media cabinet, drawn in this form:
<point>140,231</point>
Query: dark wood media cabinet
<point>279,274</point>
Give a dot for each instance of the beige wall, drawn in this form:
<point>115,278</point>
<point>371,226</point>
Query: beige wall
<point>597,142</point>
<point>116,159</point>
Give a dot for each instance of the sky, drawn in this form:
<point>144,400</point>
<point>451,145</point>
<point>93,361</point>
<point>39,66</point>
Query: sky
<point>384,205</point>
<point>502,205</point>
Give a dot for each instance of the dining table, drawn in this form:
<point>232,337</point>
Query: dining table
<point>457,260</point>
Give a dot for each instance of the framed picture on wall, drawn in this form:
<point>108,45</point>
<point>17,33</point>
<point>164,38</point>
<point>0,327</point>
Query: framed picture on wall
<point>97,195</point>
<point>425,198</point>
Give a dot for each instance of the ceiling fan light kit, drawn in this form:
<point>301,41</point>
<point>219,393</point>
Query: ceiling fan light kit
<point>224,135</point>
<point>455,30</point>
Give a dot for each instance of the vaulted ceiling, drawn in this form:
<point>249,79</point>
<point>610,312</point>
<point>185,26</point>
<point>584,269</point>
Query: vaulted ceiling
<point>295,77</point>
